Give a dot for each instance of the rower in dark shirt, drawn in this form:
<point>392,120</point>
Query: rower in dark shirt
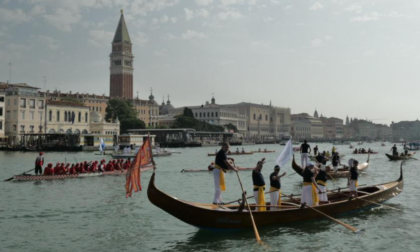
<point>221,166</point>
<point>259,186</point>
<point>305,149</point>
<point>394,150</point>
<point>321,180</point>
<point>353,178</point>
<point>275,188</point>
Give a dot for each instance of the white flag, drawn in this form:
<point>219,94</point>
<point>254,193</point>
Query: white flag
<point>285,154</point>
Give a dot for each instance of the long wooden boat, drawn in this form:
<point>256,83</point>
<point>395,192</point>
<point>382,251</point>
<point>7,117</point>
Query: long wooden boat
<point>209,171</point>
<point>269,151</point>
<point>132,155</point>
<point>375,152</point>
<point>29,177</point>
<point>231,153</point>
<point>341,173</point>
<point>231,217</point>
<point>395,158</point>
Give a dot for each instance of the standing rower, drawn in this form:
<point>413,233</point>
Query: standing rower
<point>316,150</point>
<point>259,186</point>
<point>305,149</point>
<point>352,179</point>
<point>38,164</point>
<point>321,180</point>
<point>221,166</point>
<point>275,188</point>
<point>336,161</point>
<point>309,192</point>
<point>394,150</point>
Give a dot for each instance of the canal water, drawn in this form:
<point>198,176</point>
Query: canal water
<point>92,214</point>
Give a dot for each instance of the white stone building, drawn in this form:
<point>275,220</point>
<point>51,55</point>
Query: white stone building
<point>66,117</point>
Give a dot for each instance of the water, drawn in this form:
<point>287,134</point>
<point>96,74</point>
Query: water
<point>92,214</point>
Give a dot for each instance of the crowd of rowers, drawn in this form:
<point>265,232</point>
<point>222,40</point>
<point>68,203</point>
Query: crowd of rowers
<point>243,151</point>
<point>362,151</point>
<point>314,182</point>
<point>83,167</point>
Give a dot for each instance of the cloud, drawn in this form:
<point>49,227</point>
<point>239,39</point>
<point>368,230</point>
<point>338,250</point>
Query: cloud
<point>160,53</point>
<point>316,6</point>
<point>100,38</point>
<point>189,35</point>
<point>37,10</point>
<point>260,43</point>
<point>63,19</point>
<point>190,14</point>
<point>203,2</point>
<point>355,7</point>
<point>49,42</point>
<point>140,39</point>
<point>230,15</point>
<point>170,36</point>
<point>13,16</point>
<point>231,2</point>
<point>288,7</point>
<point>268,19</point>
<point>373,16</point>
<point>164,19</point>
<point>320,41</point>
<point>143,7</point>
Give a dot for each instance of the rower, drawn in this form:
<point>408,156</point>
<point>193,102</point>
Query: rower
<point>352,179</point>
<point>336,161</point>
<point>316,150</point>
<point>243,151</point>
<point>72,170</point>
<point>309,192</point>
<point>49,170</point>
<point>56,168</point>
<point>305,149</point>
<point>321,159</point>
<point>101,167</point>
<point>265,150</point>
<point>39,161</point>
<point>237,150</point>
<point>275,188</point>
<point>221,166</point>
<point>321,180</point>
<point>333,150</point>
<point>109,166</point>
<point>59,170</point>
<point>259,186</point>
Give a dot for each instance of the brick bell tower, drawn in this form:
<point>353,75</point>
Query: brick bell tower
<point>121,63</point>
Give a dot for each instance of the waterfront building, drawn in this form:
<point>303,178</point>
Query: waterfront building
<point>406,131</point>
<point>165,108</point>
<point>265,121</point>
<point>333,127</point>
<point>121,63</point>
<point>98,125</point>
<point>364,130</point>
<point>305,126</point>
<point>383,132</point>
<point>2,111</point>
<point>24,110</point>
<point>66,117</point>
<point>167,120</point>
<point>97,103</point>
<point>147,110</point>
<point>349,132</point>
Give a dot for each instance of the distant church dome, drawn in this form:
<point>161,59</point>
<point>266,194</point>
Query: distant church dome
<point>95,117</point>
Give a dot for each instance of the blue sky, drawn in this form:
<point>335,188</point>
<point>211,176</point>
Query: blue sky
<point>356,58</point>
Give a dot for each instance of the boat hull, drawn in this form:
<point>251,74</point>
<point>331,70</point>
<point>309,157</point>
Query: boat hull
<point>396,158</point>
<point>221,217</point>
<point>232,154</point>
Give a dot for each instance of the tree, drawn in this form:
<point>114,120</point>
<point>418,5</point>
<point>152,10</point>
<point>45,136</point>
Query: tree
<point>230,126</point>
<point>188,112</point>
<point>72,100</point>
<point>123,109</point>
<point>183,121</point>
<point>131,123</point>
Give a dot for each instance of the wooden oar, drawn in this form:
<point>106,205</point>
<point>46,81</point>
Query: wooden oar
<point>19,175</point>
<point>375,203</point>
<point>329,217</point>
<point>257,235</point>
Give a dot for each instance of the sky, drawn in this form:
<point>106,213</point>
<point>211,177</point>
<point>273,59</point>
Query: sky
<point>340,57</point>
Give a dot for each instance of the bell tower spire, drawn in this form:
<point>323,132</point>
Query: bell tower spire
<point>121,63</point>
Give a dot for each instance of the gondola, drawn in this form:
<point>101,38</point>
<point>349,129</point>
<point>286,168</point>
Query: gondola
<point>196,170</point>
<point>231,153</point>
<point>365,153</point>
<point>29,177</point>
<point>341,173</point>
<point>395,158</point>
<point>233,217</point>
<point>269,151</point>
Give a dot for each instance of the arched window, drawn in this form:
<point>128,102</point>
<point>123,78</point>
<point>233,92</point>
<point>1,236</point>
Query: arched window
<point>254,117</point>
<point>60,131</point>
<point>58,116</point>
<point>80,117</point>
<point>65,116</point>
<point>211,114</point>
<point>50,116</point>
<point>77,132</point>
<point>68,131</point>
<point>51,131</point>
<point>84,132</point>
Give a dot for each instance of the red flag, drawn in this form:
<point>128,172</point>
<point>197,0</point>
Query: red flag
<point>143,157</point>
